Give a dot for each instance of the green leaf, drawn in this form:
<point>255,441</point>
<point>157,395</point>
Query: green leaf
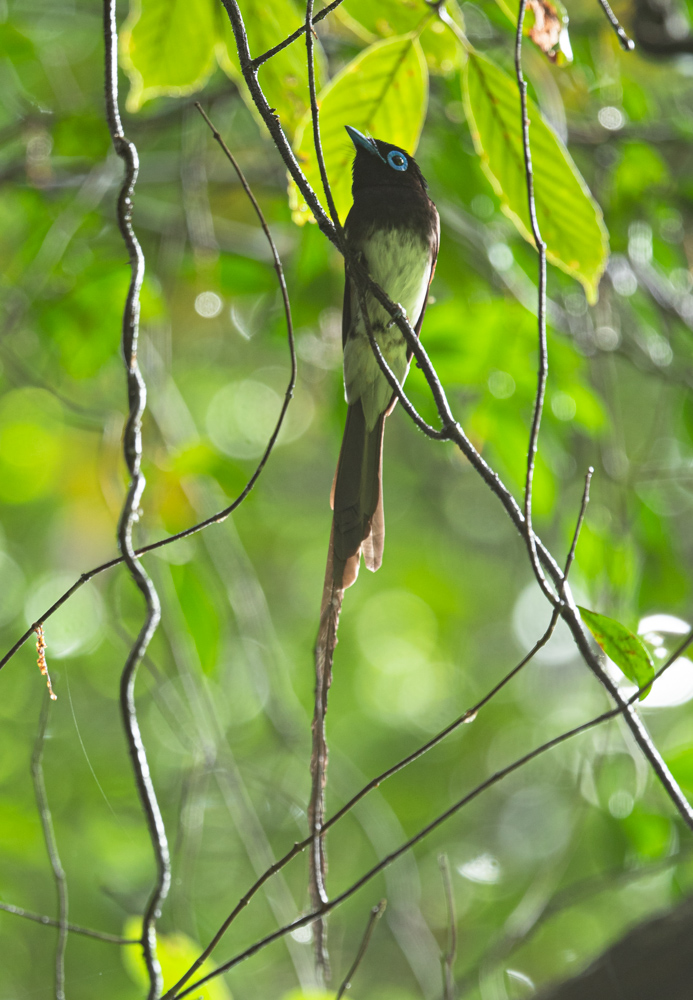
<point>368,21</point>
<point>443,51</point>
<point>284,77</point>
<point>570,221</point>
<point>309,995</point>
<point>167,47</point>
<point>384,92</point>
<point>176,953</point>
<point>620,645</point>
<point>384,18</point>
<point>200,614</point>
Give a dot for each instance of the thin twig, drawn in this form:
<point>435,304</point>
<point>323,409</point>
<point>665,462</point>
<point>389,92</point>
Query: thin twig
<point>132,450</point>
<point>288,395</point>
<point>336,901</point>
<point>375,915</point>
<point>543,371</point>
<point>40,918</point>
<point>259,60</point>
<point>451,952</point>
<point>626,43</point>
<point>581,517</point>
<point>315,119</point>
<point>51,846</point>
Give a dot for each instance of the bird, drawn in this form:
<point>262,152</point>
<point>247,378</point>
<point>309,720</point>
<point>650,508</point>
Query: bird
<point>393,227</point>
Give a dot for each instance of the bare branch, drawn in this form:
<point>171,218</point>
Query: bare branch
<point>451,953</point>
<point>375,915</point>
<point>259,60</point>
<point>132,449</point>
<point>51,846</point>
<point>626,43</point>
<point>288,395</point>
<point>40,918</point>
<point>543,372</point>
<point>581,517</point>
<point>315,118</point>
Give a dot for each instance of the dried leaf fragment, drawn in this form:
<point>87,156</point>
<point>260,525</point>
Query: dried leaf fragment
<point>547,27</point>
<point>42,665</point>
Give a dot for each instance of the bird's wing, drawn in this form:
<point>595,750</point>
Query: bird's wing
<point>434,258</point>
<point>346,309</point>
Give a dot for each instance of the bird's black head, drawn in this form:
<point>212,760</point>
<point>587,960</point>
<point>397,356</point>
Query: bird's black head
<point>379,163</point>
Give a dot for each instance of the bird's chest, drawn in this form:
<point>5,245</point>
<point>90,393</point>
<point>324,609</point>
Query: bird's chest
<point>399,261</point>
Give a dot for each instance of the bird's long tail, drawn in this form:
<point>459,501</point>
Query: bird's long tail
<point>357,498</point>
<point>324,652</point>
<point>357,526</point>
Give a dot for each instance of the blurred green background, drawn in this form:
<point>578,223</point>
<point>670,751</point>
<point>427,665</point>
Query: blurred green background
<point>554,863</point>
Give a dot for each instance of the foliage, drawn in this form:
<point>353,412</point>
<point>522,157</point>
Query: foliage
<point>626,650</point>
<point>585,834</point>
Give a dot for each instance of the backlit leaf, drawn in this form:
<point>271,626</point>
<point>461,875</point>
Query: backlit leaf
<point>622,646</point>
<point>570,221</point>
<point>167,48</point>
<point>386,18</point>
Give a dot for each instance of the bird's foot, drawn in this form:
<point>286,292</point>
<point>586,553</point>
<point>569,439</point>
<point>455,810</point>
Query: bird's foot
<point>401,314</point>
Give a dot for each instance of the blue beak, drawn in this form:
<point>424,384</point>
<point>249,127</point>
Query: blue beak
<point>359,139</point>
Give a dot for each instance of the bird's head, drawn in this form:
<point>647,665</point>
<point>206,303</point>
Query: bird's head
<point>379,163</point>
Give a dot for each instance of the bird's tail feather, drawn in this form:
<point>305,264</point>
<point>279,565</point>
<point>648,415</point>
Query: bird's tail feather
<point>357,498</point>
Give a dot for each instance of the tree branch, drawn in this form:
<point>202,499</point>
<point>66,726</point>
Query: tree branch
<point>259,60</point>
<point>51,846</point>
<point>132,449</point>
<point>626,43</point>
<point>375,915</point>
<point>451,952</point>
<point>543,371</point>
<point>40,918</point>
<point>315,119</point>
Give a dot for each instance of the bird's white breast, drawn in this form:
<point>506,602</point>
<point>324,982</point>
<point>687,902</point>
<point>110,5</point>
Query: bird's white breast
<point>399,261</point>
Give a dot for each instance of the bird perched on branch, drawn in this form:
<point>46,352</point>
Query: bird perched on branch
<point>393,226</point>
<point>394,230</point>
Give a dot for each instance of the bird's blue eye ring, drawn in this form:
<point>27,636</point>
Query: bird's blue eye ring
<point>397,160</point>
